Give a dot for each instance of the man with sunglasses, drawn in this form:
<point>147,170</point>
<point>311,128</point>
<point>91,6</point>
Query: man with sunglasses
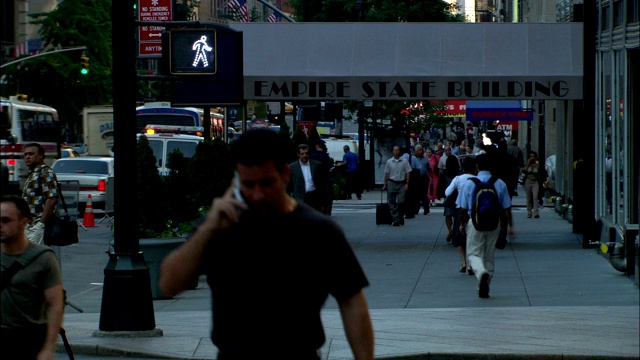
<point>32,297</point>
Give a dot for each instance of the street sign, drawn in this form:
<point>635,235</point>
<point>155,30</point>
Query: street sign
<point>150,37</point>
<point>150,33</point>
<point>150,49</point>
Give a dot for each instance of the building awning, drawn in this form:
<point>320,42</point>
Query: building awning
<point>412,61</point>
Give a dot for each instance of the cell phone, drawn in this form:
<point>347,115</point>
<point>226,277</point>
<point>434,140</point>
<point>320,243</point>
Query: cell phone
<point>236,190</point>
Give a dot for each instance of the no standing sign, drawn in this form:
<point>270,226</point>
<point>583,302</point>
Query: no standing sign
<point>149,37</point>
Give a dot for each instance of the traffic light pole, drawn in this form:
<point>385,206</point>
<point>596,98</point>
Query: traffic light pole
<point>31,57</point>
<point>127,304</point>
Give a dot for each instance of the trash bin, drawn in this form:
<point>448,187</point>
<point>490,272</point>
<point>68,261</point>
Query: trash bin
<point>154,251</point>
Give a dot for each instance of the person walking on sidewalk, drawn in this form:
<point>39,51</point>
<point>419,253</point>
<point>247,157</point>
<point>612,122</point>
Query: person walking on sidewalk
<point>450,171</point>
<point>326,175</point>
<point>261,294</point>
<point>40,191</point>
<point>424,180</point>
<point>397,173</point>
<point>32,298</point>
<point>351,165</point>
<point>459,240</point>
<point>412,197</point>
<point>307,181</point>
<point>531,184</point>
<point>434,175</point>
<point>481,245</point>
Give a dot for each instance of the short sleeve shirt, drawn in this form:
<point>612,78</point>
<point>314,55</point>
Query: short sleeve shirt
<point>465,199</point>
<point>397,169</point>
<point>22,300</point>
<point>36,193</point>
<point>270,275</point>
<point>351,159</point>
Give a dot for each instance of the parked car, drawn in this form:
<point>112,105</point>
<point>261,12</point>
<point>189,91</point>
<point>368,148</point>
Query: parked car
<point>66,153</point>
<point>92,174</point>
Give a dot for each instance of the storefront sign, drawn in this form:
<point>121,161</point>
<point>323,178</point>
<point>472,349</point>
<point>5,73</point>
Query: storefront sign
<point>412,88</point>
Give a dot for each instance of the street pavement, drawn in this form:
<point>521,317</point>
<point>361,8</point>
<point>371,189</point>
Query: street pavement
<point>550,298</point>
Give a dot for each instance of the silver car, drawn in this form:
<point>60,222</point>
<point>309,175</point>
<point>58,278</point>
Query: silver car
<point>92,175</point>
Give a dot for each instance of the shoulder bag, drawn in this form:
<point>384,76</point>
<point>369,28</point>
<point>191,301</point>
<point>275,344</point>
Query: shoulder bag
<point>61,231</point>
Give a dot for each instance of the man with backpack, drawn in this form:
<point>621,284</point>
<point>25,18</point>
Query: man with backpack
<point>482,201</point>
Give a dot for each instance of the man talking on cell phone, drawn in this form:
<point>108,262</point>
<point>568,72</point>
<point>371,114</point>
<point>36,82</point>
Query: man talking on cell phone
<point>271,262</point>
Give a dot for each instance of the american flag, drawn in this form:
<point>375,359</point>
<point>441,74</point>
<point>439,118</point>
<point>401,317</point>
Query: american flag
<point>30,47</point>
<point>240,9</point>
<point>274,17</point>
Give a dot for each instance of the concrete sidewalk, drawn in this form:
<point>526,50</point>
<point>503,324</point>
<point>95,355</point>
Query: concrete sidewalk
<point>550,298</point>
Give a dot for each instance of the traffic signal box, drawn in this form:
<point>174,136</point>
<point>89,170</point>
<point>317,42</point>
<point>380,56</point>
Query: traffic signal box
<point>205,65</point>
<point>84,64</point>
<point>193,51</point>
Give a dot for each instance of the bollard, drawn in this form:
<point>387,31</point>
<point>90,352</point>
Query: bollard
<point>557,205</point>
<point>569,214</point>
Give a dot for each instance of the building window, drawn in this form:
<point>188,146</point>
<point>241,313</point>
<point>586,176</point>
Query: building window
<point>618,13</point>
<point>632,11</point>
<point>604,17</point>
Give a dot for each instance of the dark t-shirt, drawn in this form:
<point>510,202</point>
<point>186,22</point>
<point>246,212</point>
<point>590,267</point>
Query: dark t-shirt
<point>452,166</point>
<point>325,167</point>
<point>270,276</point>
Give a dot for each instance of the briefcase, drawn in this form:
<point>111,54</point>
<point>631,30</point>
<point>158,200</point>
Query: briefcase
<point>383,213</point>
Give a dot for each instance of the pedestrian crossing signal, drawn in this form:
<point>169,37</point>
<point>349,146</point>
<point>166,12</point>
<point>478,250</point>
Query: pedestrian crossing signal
<point>84,64</point>
<point>192,51</point>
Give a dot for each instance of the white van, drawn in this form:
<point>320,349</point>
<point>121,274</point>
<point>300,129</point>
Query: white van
<point>335,147</point>
<point>163,144</point>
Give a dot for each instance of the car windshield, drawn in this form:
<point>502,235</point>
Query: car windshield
<point>81,167</point>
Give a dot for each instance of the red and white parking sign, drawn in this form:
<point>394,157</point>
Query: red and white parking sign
<point>150,37</point>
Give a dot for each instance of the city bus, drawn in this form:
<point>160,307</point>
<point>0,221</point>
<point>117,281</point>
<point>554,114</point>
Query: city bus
<point>21,123</point>
<point>162,113</point>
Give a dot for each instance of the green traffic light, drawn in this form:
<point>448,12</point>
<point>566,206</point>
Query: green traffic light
<point>84,71</point>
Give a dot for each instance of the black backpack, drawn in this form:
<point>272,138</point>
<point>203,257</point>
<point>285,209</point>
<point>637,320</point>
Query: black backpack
<point>485,205</point>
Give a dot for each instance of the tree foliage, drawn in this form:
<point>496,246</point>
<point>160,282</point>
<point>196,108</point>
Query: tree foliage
<point>404,115</point>
<point>210,171</point>
<point>375,11</point>
<point>151,215</point>
<point>55,79</point>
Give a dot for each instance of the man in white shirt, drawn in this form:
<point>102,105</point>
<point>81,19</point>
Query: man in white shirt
<point>304,179</point>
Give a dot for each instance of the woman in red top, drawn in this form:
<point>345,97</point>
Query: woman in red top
<point>433,174</point>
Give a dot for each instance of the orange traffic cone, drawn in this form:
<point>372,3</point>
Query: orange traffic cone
<point>88,214</point>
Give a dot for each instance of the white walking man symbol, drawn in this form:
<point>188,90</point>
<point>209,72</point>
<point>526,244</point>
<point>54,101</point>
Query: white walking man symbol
<point>201,48</point>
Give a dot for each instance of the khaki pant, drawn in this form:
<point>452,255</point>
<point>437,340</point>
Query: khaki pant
<point>531,187</point>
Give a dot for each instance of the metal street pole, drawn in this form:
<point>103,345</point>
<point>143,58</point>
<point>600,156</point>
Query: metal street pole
<point>126,296</point>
